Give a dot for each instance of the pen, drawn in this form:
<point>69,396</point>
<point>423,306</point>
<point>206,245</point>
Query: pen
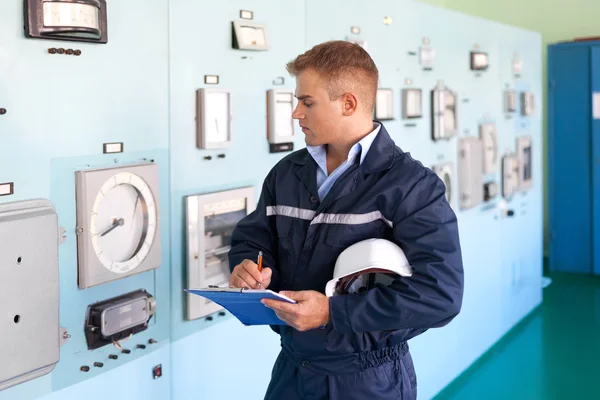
<point>259,263</point>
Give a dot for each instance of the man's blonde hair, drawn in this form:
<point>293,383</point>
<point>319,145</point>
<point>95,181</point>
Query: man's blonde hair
<point>343,66</point>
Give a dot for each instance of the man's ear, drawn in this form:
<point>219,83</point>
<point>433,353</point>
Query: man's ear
<point>349,103</point>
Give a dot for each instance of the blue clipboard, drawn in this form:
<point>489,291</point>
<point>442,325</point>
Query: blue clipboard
<point>245,304</point>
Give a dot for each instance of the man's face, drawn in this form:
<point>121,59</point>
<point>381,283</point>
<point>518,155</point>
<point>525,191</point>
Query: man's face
<point>319,117</point>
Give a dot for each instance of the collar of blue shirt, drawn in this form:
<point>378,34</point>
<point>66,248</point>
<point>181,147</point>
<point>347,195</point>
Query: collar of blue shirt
<point>319,153</point>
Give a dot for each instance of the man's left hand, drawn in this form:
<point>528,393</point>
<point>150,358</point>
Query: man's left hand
<point>311,310</point>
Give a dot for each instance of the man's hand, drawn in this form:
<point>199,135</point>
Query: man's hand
<point>246,274</point>
<point>311,310</point>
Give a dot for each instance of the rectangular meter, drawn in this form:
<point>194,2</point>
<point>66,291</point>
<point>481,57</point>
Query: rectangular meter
<point>281,127</point>
<point>510,175</point>
<point>527,104</point>
<point>210,220</point>
<point>510,101</point>
<point>248,35</point>
<point>489,139</point>
<point>412,103</point>
<point>117,318</point>
<point>443,109</point>
<point>470,160</point>
<point>524,153</point>
<point>384,105</point>
<point>213,118</point>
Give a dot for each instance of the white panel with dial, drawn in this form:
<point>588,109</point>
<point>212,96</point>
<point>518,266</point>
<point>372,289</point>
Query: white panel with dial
<point>118,228</point>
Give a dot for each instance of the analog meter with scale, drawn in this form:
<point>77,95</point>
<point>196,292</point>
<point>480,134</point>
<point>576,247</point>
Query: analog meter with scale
<point>118,230</point>
<point>73,20</point>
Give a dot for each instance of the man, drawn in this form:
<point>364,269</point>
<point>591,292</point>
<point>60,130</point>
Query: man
<point>350,183</point>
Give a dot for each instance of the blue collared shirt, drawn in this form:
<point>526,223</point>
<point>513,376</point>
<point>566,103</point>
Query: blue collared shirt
<point>319,154</point>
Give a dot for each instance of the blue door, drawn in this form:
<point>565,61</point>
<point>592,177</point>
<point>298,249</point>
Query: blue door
<point>570,159</point>
<point>595,122</point>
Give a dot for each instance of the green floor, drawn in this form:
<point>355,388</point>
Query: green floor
<point>552,354</point>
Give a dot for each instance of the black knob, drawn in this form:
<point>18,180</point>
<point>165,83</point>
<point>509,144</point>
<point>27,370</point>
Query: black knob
<point>510,213</point>
<point>113,356</point>
<point>98,364</point>
<point>209,318</point>
<point>314,199</point>
<point>125,351</point>
<point>2,111</point>
<point>141,346</point>
<point>84,368</point>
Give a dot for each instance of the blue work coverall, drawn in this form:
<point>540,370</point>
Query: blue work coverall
<point>362,353</point>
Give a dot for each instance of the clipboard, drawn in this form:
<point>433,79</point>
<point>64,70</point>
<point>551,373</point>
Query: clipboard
<point>244,303</point>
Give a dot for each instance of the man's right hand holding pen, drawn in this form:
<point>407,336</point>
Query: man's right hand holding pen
<point>251,275</point>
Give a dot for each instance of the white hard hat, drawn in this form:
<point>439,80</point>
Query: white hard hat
<point>370,256</point>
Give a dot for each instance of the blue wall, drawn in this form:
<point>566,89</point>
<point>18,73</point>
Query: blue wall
<point>140,89</point>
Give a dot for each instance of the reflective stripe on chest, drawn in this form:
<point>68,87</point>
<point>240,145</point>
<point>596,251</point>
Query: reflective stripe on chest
<point>327,218</point>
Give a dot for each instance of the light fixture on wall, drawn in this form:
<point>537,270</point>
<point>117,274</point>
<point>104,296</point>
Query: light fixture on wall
<point>387,21</point>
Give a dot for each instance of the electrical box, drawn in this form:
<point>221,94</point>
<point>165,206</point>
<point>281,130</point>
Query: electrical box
<point>489,139</point>
<point>213,118</point>
<point>470,161</point>
<point>115,319</point>
<point>527,104</point>
<point>445,171</point>
<point>510,101</point>
<point>510,175</point>
<point>524,153</point>
<point>384,105</point>
<point>29,297</point>
<point>443,111</point>
<point>248,35</point>
<point>281,127</point>
<point>210,220</point>
<point>412,103</point>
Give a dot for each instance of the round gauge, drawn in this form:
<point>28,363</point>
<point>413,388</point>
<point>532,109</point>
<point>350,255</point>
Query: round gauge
<point>123,222</point>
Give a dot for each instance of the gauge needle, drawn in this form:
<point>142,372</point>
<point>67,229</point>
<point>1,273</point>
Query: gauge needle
<point>116,222</point>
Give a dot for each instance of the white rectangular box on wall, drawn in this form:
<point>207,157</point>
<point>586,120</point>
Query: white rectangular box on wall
<point>210,220</point>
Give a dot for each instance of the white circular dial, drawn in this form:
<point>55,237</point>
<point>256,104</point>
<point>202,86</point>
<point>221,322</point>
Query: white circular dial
<point>123,222</point>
